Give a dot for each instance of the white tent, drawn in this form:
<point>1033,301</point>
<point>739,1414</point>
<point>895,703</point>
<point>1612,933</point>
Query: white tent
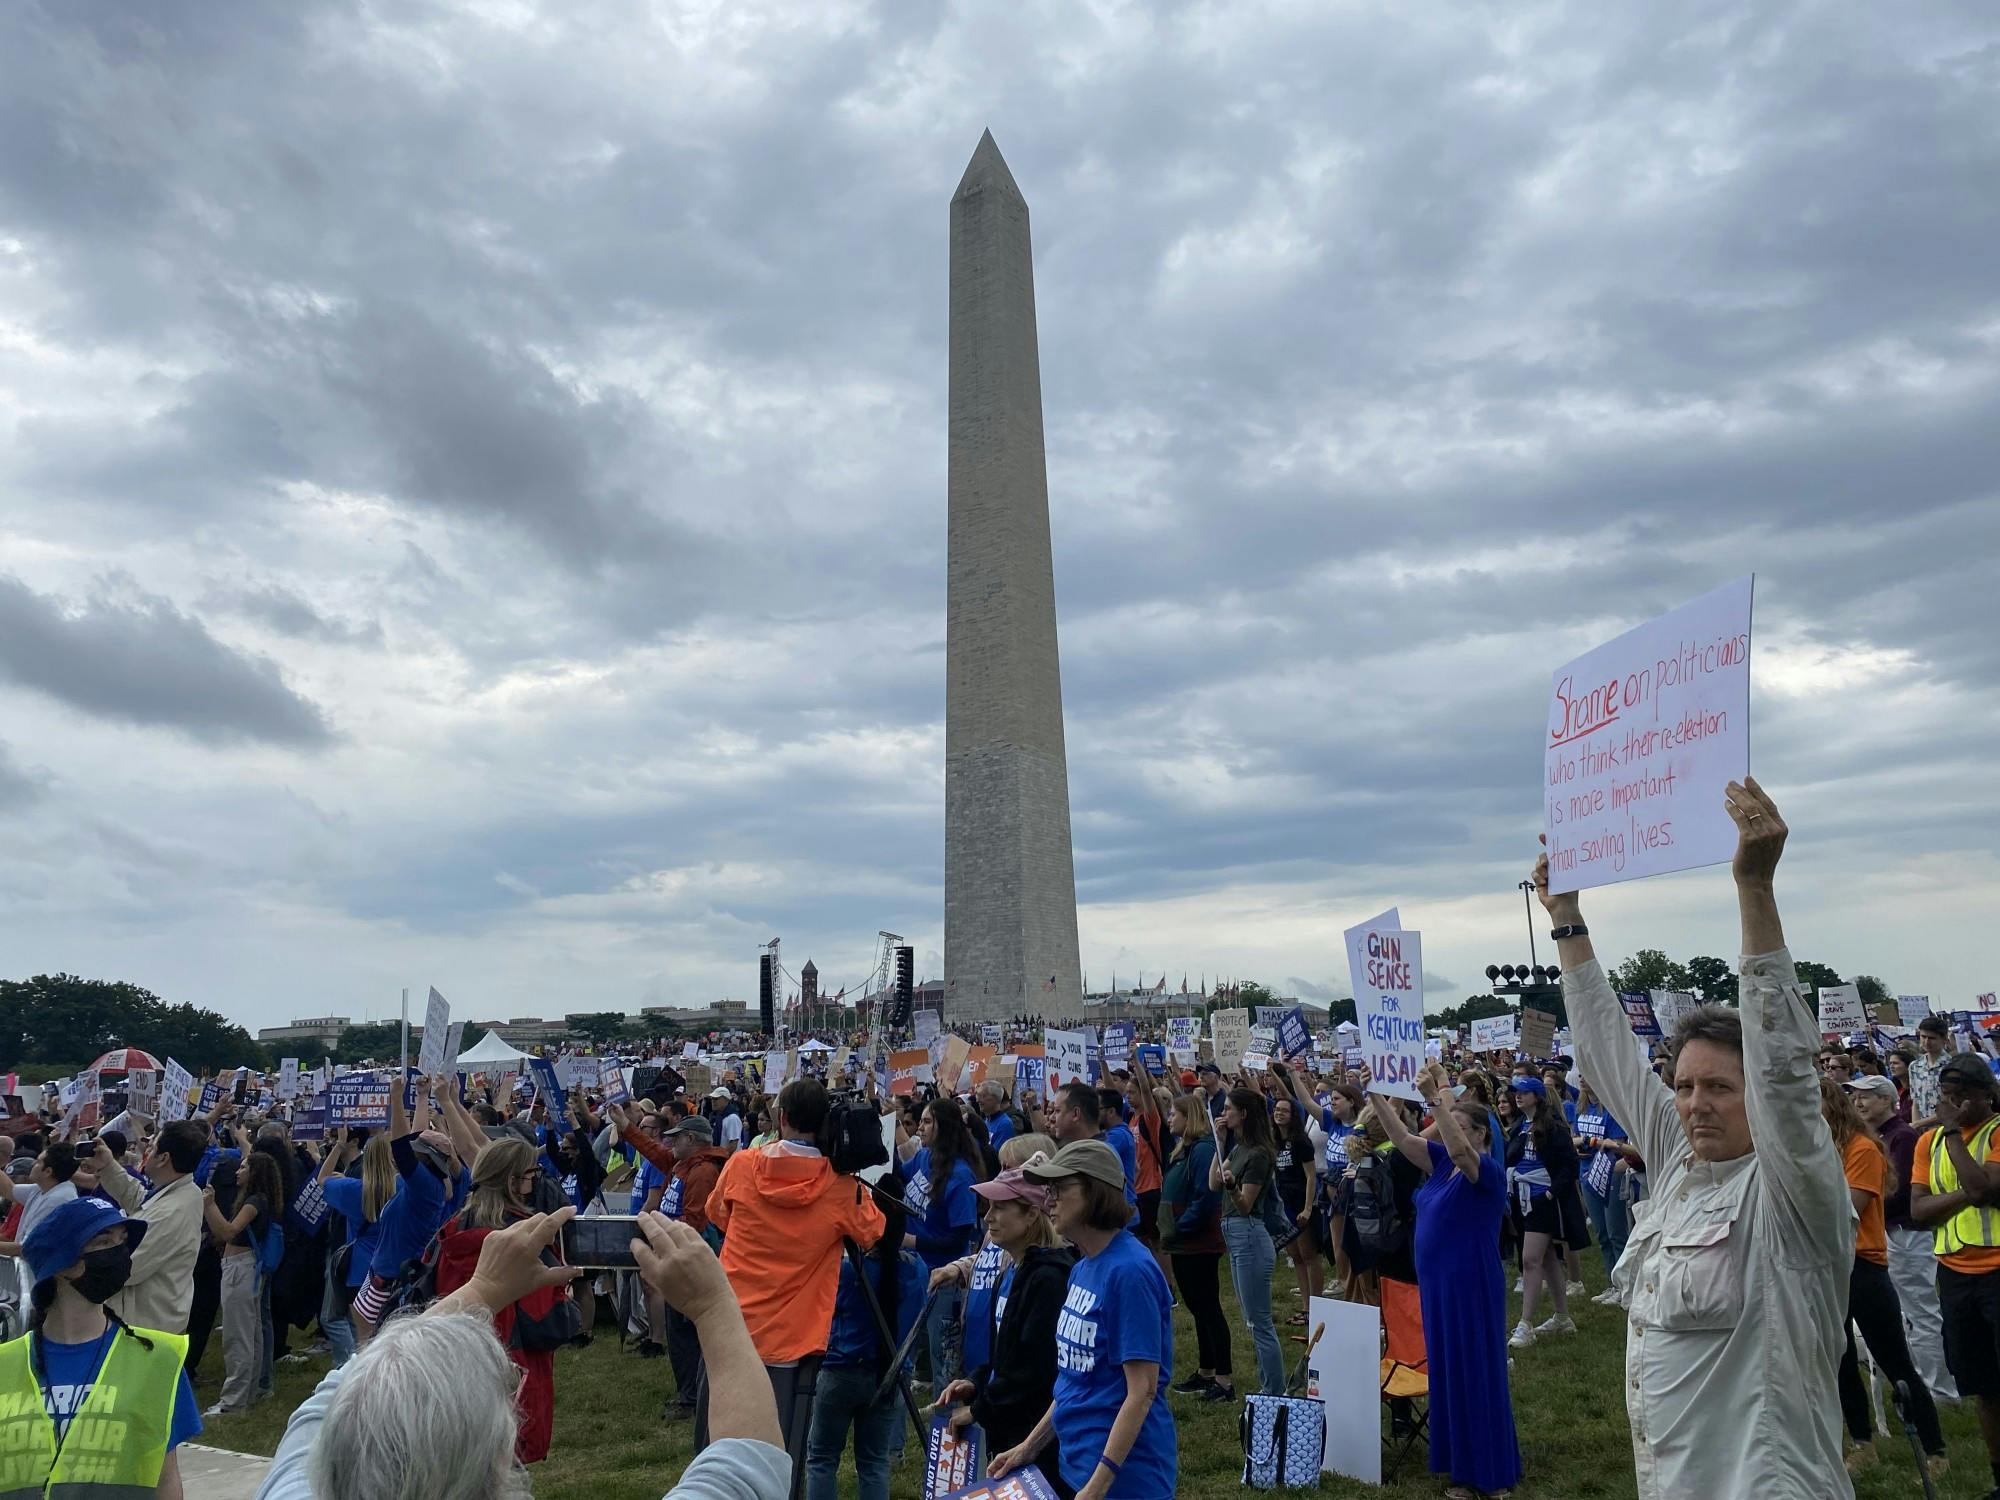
<point>815,1045</point>
<point>492,1055</point>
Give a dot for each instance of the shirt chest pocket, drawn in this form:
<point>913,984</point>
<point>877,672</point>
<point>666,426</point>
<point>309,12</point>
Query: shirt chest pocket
<point>1700,1268</point>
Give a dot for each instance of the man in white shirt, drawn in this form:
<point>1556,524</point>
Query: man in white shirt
<point>48,1188</point>
<point>160,1290</point>
<point>728,1124</point>
<point>1736,1271</point>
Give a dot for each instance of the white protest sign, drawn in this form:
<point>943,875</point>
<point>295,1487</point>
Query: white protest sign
<point>454,1044</point>
<point>774,1071</point>
<point>689,1052</point>
<point>1387,967</point>
<point>1910,1009</point>
<point>1229,1030</point>
<point>142,1087</point>
<point>1493,1033</point>
<point>1644,734</point>
<point>1668,1008</point>
<point>1345,1337</point>
<point>1068,1054</point>
<point>288,1077</point>
<point>1840,1010</point>
<point>174,1088</point>
<point>431,1058</point>
<point>928,1027</point>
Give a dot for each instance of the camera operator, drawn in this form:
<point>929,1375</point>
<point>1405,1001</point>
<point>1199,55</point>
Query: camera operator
<point>783,1212</point>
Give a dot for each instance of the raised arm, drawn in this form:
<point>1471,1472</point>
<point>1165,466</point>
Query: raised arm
<point>1801,1169</point>
<point>1435,1087</point>
<point>1412,1146</point>
<point>1605,1049</point>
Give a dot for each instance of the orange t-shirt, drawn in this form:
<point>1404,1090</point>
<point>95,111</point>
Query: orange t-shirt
<point>1974,1260</point>
<point>1867,1170</point>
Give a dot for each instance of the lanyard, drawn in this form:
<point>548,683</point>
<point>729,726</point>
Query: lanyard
<point>38,1362</point>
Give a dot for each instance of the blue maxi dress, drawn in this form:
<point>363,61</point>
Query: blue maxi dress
<point>1464,1295</point>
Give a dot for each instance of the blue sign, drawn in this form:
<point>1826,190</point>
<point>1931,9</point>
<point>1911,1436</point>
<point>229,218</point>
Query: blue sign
<point>544,1072</point>
<point>1294,1036</point>
<point>1154,1056</point>
<point>1118,1044</point>
<point>1639,1012</point>
<point>1031,1076</point>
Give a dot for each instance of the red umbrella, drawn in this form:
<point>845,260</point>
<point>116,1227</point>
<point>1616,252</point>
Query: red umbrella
<point>124,1060</point>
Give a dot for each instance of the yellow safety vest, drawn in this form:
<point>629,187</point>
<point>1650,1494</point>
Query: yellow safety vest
<point>1972,1226</point>
<point>116,1444</point>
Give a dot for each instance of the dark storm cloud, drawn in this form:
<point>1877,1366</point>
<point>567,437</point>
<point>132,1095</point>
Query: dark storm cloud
<point>141,661</point>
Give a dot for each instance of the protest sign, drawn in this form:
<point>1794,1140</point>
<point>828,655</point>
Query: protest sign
<point>1538,1033</point>
<point>951,1456</point>
<point>776,1074</point>
<point>1267,1015</point>
<point>1639,1015</point>
<point>980,1061</point>
<point>1068,1056</point>
<point>359,1099</point>
<point>1153,1058</point>
<point>1346,1337</point>
<point>431,1055</point>
<point>1493,1033</point>
<point>309,1121</point>
<point>310,1207</point>
<point>175,1086</point>
<point>142,1092</point>
<point>956,1050</point>
<point>288,1078</point>
<point>1387,968</point>
<point>990,1034</point>
<point>1668,1008</point>
<point>578,1070</point>
<point>1230,1031</point>
<point>549,1087</point>
<point>689,1052</point>
<point>698,1076</point>
<point>1183,1039</point>
<point>1644,734</point>
<point>1031,1076</point>
<point>1910,1009</point>
<point>211,1095</point>
<point>1294,1036</point>
<point>1022,1484</point>
<point>1118,1045</point>
<point>611,1081</point>
<point>1350,1057</point>
<point>1989,1001</point>
<point>928,1026</point>
<point>1256,1062</point>
<point>1840,1010</point>
<point>906,1066</point>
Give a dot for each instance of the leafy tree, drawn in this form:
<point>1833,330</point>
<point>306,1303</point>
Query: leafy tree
<point>1814,977</point>
<point>1250,995</point>
<point>1873,991</point>
<point>1714,979</point>
<point>1475,1008</point>
<point>383,1041</point>
<point>1338,1011</point>
<point>1650,969</point>
<point>67,1019</point>
<point>601,1026</point>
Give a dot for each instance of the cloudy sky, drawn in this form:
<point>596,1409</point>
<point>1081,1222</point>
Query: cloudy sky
<point>472,477</point>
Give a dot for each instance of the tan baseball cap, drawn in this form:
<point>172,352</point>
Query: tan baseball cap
<point>1080,1159</point>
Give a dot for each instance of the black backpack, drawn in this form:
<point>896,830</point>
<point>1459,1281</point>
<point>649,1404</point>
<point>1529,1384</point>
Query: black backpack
<point>1372,1211</point>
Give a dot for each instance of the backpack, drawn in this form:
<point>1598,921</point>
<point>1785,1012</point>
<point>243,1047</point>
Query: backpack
<point>269,1240</point>
<point>1372,1214</point>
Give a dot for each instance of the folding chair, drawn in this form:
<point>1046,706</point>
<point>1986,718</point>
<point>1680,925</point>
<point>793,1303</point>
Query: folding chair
<point>1405,1369</point>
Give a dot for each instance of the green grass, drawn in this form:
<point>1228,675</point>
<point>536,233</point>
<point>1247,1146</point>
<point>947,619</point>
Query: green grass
<point>611,1444</point>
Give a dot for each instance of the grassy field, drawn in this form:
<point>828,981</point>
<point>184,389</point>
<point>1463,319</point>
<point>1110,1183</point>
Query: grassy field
<point>611,1443</point>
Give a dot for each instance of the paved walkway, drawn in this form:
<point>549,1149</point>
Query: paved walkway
<point>218,1474</point>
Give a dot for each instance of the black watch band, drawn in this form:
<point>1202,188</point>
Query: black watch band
<point>1574,929</point>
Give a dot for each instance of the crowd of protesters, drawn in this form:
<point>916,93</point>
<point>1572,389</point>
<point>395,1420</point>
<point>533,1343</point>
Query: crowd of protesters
<point>1766,1209</point>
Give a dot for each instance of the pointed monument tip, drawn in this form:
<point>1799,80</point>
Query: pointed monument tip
<point>986,171</point>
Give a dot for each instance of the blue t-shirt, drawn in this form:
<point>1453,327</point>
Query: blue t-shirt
<point>948,1211</point>
<point>672,1200</point>
<point>999,1130</point>
<point>71,1370</point>
<point>980,1314</point>
<point>648,1178</point>
<point>1336,1145</point>
<point>1119,1139</point>
<point>1118,1309</point>
<point>344,1194</point>
<point>1599,1164</point>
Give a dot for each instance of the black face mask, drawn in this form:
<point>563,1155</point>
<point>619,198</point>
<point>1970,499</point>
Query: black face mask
<point>105,1273</point>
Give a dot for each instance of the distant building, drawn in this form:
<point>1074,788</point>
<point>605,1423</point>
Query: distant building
<point>724,1015</point>
<point>527,1031</point>
<point>323,1031</point>
<point>809,985</point>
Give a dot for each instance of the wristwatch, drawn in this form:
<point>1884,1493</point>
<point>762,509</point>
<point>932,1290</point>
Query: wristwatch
<point>1573,929</point>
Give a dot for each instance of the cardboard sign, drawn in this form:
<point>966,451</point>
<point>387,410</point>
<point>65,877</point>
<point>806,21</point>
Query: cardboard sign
<point>1644,734</point>
<point>431,1055</point>
<point>1910,1009</point>
<point>1494,1033</point>
<point>980,1061</point>
<point>1068,1057</point>
<point>1841,1012</point>
<point>700,1079</point>
<point>956,1051</point>
<point>907,1069</point>
<point>951,1456</point>
<point>1387,967</point>
<point>454,1044</point>
<point>1256,1062</point>
<point>142,1092</point>
<point>1538,1033</point>
<point>1230,1030</point>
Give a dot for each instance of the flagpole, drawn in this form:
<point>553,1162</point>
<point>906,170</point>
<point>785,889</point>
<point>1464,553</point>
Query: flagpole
<point>406,1034</point>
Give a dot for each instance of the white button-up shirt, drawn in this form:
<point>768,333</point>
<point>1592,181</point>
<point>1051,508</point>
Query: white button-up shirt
<point>1736,1272</point>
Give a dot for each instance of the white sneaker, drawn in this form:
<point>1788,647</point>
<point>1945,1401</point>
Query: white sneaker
<point>1523,1337</point>
<point>1517,1286</point>
<point>1607,1298</point>
<point>1574,1289</point>
<point>1560,1323</point>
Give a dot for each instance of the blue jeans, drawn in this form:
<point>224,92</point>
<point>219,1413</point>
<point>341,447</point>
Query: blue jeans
<point>843,1399</point>
<point>1251,1258</point>
<point>1610,1219</point>
<point>333,1319</point>
<point>941,1336</point>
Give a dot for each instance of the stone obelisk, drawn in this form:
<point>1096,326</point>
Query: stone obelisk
<point>1009,878</point>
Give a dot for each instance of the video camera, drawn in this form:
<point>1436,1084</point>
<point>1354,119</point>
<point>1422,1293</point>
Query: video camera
<point>851,1138</point>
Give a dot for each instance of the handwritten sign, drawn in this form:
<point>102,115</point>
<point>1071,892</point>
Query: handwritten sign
<point>1230,1031</point>
<point>1183,1039</point>
<point>1493,1033</point>
<point>1538,1033</point>
<point>1668,1008</point>
<point>288,1077</point>
<point>1840,1010</point>
<point>1644,733</point>
<point>431,1055</point>
<point>1068,1056</point>
<point>175,1085</point>
<point>1910,1009</point>
<point>1387,967</point>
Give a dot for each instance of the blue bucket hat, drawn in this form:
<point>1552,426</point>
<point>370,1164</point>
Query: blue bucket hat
<point>57,1242</point>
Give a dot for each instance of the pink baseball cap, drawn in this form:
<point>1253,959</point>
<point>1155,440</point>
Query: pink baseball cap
<point>1013,1183</point>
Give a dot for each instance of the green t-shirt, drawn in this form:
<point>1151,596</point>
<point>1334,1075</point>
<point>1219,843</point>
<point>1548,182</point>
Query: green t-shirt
<point>1247,1164</point>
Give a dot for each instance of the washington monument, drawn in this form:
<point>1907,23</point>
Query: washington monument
<point>1009,879</point>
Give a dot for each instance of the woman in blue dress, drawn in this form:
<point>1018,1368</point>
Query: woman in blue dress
<point>1463,1290</point>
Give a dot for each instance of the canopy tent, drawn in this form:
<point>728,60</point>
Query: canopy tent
<point>815,1045</point>
<point>493,1054</point>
